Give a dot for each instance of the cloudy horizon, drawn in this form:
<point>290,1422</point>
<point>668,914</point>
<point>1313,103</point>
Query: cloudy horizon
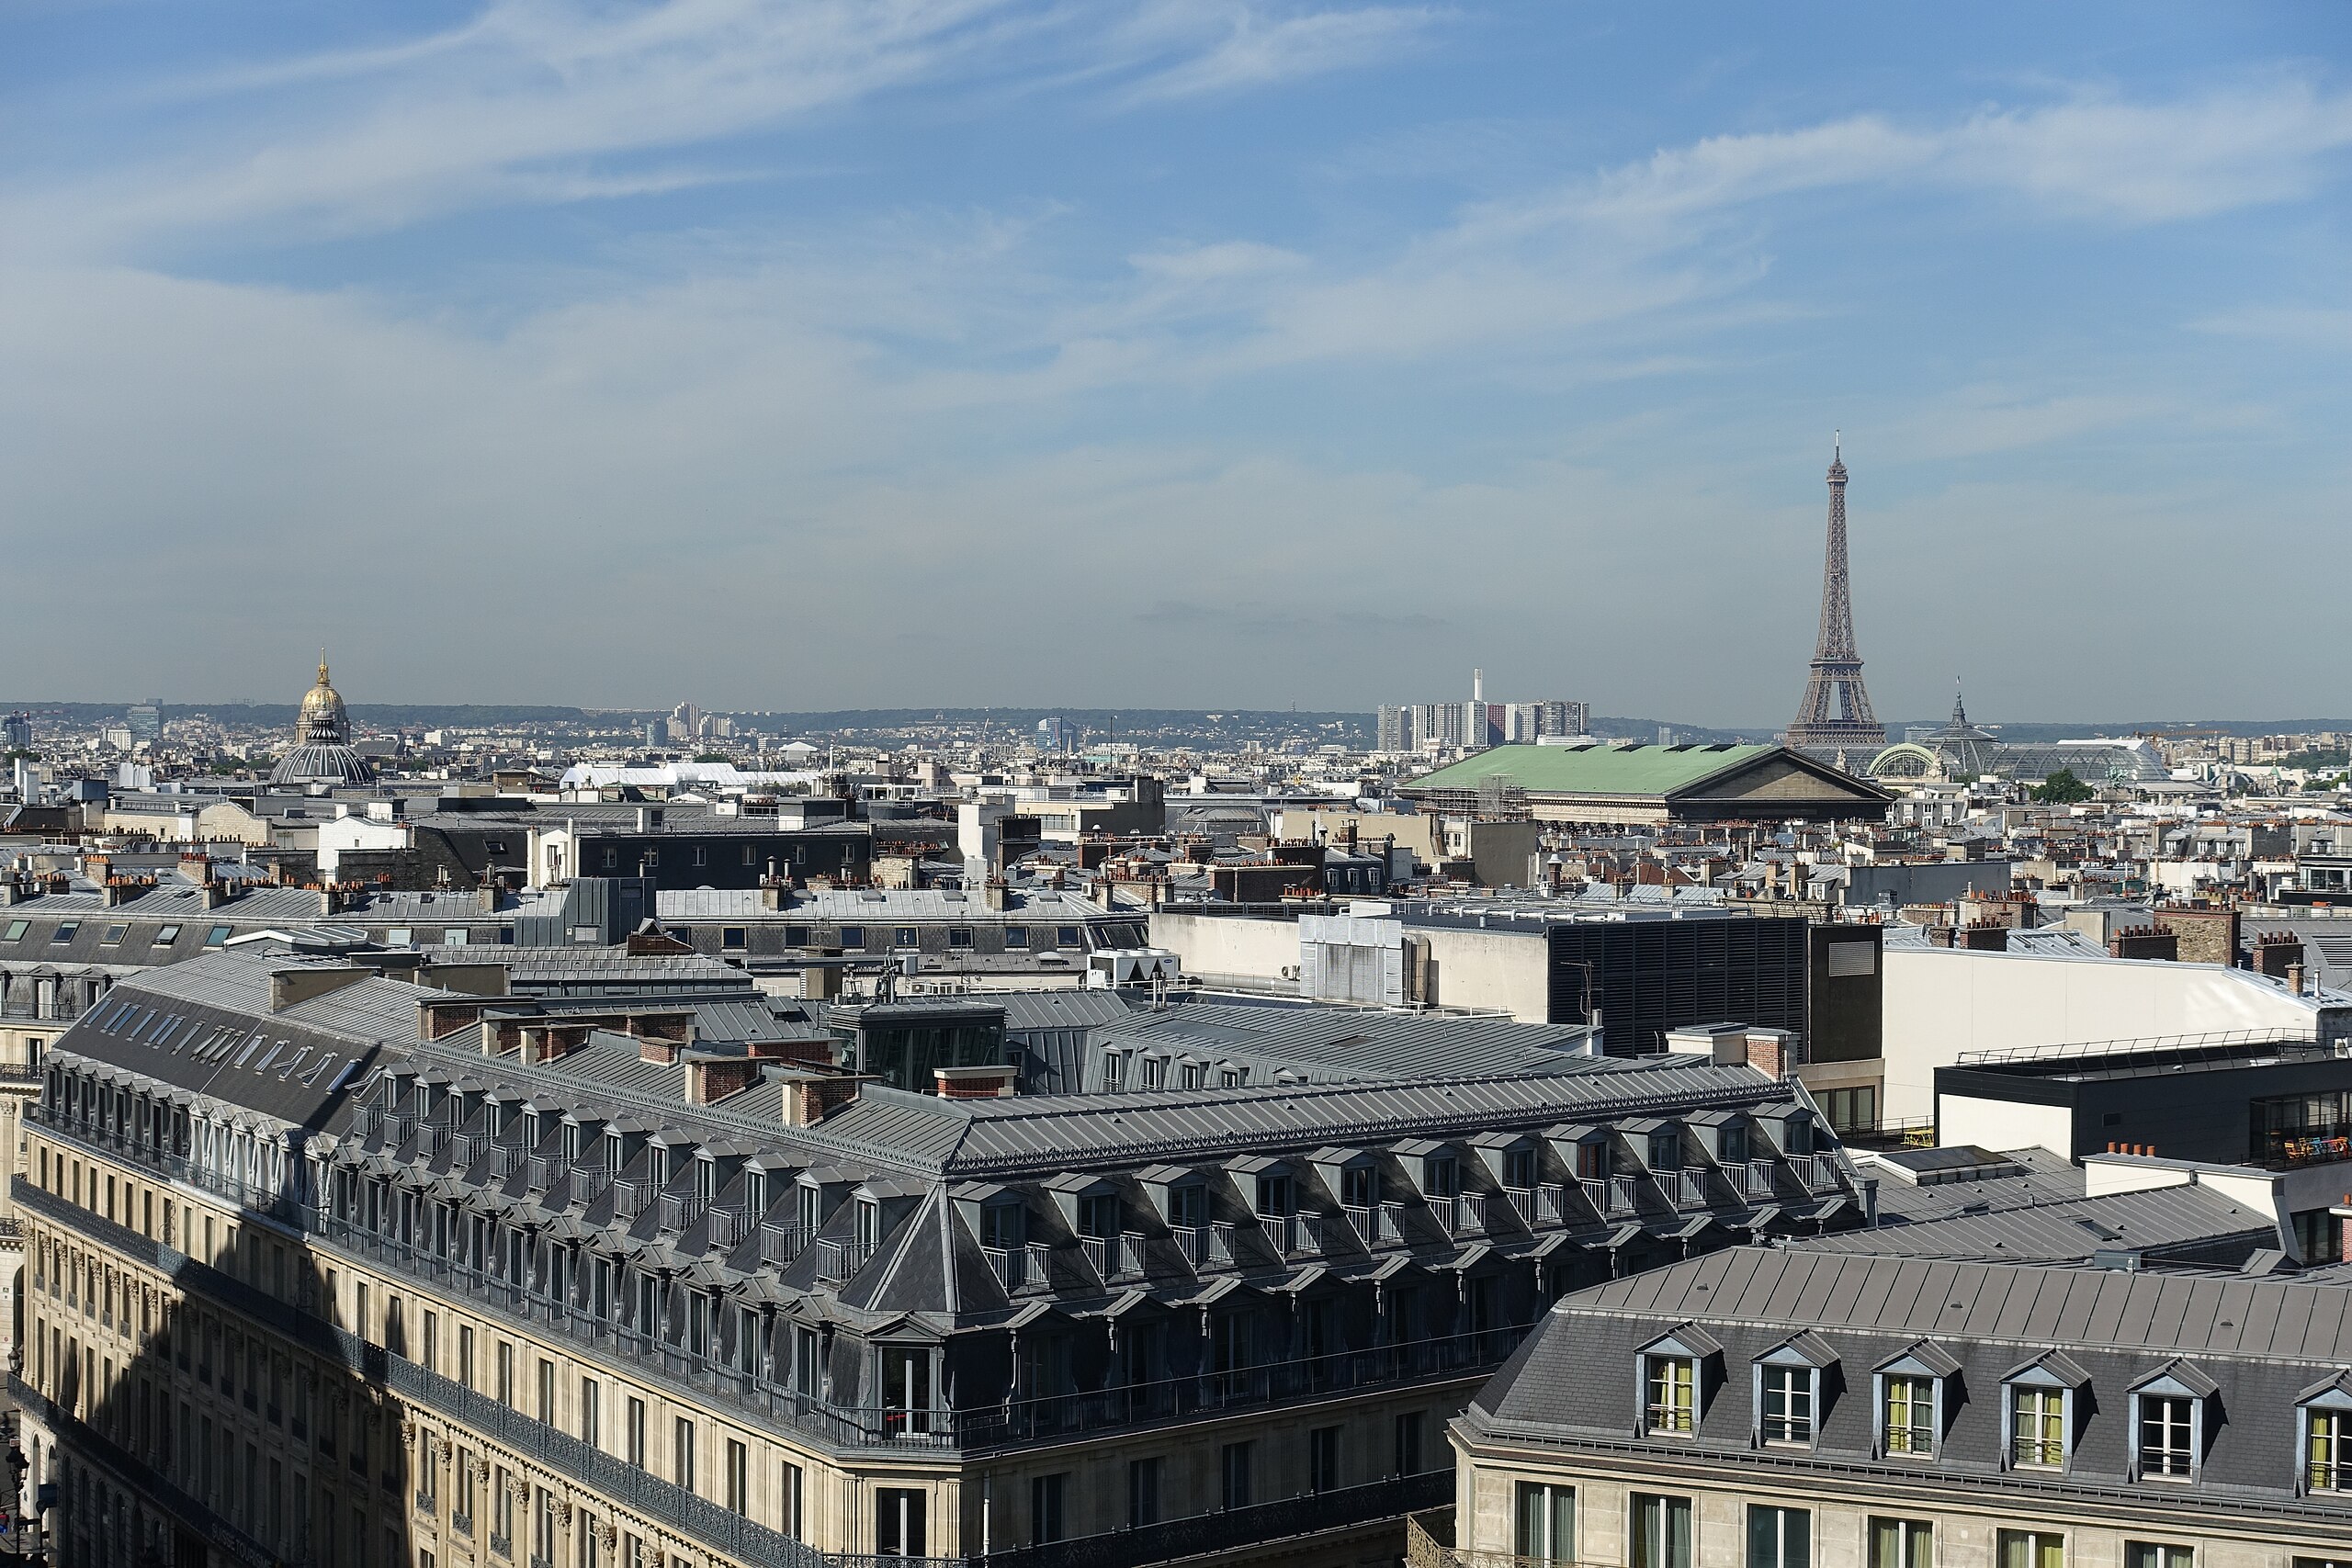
<point>930,353</point>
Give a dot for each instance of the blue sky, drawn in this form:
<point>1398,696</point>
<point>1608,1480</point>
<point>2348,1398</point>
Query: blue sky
<point>1222,353</point>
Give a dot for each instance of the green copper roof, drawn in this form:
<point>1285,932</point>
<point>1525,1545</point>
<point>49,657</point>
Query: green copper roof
<point>1593,770</point>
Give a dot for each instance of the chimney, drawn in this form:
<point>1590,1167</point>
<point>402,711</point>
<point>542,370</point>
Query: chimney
<point>487,896</point>
<point>995,894</point>
<point>994,1081</point>
<point>808,1100</point>
<point>710,1079</point>
<point>773,890</point>
<point>331,899</point>
<point>13,891</point>
<point>212,895</point>
<point>2295,977</point>
<point>821,983</point>
<point>289,987</point>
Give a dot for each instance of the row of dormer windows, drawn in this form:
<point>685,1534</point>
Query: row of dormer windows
<point>2172,1410</point>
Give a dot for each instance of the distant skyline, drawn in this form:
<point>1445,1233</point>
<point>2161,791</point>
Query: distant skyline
<point>1200,355</point>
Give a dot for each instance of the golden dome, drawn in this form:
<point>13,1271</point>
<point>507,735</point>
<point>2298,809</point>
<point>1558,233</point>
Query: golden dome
<point>321,698</point>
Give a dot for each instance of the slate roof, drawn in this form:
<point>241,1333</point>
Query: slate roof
<point>2027,1306</point>
<point>2180,1223</point>
<point>1367,1042</point>
<point>1044,1133</point>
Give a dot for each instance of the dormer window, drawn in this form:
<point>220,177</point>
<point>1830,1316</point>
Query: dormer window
<point>1520,1168</point>
<point>2168,1422</point>
<point>2323,1435</point>
<point>1734,1144</point>
<point>1911,1399</point>
<point>1359,1187</point>
<point>1098,1215</point>
<point>2037,1426</point>
<point>1274,1199</point>
<point>1671,1400</point>
<point>1441,1177</point>
<point>1788,1391</point>
<point>1188,1207</point>
<point>869,1222</point>
<point>2038,1410</point>
<point>1669,1370</point>
<point>1002,1226</point>
<point>1666,1151</point>
<point>1786,1412</point>
<point>705,1178</point>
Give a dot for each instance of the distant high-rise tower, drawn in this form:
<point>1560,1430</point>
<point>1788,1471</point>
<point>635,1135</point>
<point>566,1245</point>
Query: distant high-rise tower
<point>1836,712</point>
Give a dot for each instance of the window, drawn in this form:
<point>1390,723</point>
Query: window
<point>1852,1109</point>
<point>1323,1459</point>
<point>1410,1427</point>
<point>1520,1168</point>
<point>2037,1426</point>
<point>454,936</point>
<point>1901,1543</point>
<point>2032,1548</point>
<point>636,1433</point>
<point>959,937</point>
<point>464,1355</point>
<point>1143,1492</point>
<point>1115,1071</point>
<point>2327,1464</point>
<point>1155,1072</point>
<point>164,937</point>
<point>1233,1474</point>
<point>1066,936</point>
<point>853,936</point>
<point>1016,938</point>
<point>506,1367</point>
<point>1441,1177</point>
<point>739,1477</point>
<point>217,937</point>
<point>2157,1554</point>
<point>547,1392</point>
<point>1662,1532</point>
<point>1045,1507</point>
<point>701,855</point>
<point>113,937</point>
<point>796,936</point>
<point>1671,1395</point>
<point>1778,1537</point>
<point>789,1482</point>
<point>1907,1414</point>
<point>681,1454</point>
<point>903,936</point>
<point>1544,1522</point>
<point>2167,1437</point>
<point>65,932</point>
<point>734,939</point>
<point>591,1392</point>
<point>16,930</point>
<point>899,1522</point>
<point>1786,1414</point>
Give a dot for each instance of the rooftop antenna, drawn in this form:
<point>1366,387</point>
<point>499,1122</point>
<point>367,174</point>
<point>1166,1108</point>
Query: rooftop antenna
<point>1837,445</point>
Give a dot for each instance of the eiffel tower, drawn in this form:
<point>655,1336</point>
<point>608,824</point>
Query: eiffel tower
<point>1836,711</point>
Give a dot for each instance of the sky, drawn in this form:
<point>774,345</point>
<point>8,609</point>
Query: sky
<point>1216,354</point>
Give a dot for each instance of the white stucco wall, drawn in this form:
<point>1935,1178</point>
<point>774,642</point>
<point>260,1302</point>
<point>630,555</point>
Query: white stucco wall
<point>1228,946</point>
<point>1940,1002</point>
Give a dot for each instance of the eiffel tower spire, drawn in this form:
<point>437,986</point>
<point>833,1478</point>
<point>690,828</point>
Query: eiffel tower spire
<point>1835,710</point>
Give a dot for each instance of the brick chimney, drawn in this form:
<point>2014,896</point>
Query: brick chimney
<point>808,1100</point>
<point>990,1081</point>
<point>712,1078</point>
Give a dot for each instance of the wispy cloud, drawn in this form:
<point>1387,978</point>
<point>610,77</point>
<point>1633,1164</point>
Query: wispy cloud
<point>1253,50</point>
<point>536,101</point>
